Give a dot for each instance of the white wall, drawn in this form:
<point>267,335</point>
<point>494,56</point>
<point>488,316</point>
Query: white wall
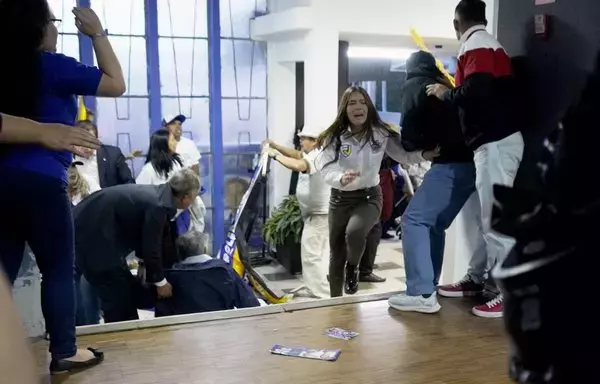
<point>374,22</point>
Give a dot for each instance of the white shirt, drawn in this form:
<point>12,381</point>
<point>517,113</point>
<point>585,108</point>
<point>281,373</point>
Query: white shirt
<point>188,151</point>
<point>311,191</point>
<point>89,169</point>
<point>148,174</point>
<point>355,156</point>
<point>418,171</point>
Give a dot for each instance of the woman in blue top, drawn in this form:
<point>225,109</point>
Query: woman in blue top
<point>40,84</point>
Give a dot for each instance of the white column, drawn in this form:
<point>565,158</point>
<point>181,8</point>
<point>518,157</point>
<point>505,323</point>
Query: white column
<point>281,88</point>
<point>461,240</point>
<point>491,14</point>
<point>321,78</point>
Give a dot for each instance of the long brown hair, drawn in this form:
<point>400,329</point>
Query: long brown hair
<point>333,134</point>
<point>77,186</point>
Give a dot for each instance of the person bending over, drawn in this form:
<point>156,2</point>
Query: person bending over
<point>428,122</point>
<point>485,98</point>
<point>162,162</point>
<point>313,197</point>
<point>201,283</point>
<point>118,220</point>
<point>352,149</point>
<point>42,85</point>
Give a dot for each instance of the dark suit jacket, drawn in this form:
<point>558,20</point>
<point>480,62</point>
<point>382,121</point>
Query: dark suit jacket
<point>113,222</point>
<point>204,287</point>
<point>112,168</point>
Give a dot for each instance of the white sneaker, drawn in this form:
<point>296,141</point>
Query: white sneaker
<point>403,302</point>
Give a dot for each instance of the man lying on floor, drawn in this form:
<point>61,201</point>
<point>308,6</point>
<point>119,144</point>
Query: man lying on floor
<point>201,283</point>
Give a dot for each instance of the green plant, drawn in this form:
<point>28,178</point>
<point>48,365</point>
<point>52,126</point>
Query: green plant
<point>285,221</point>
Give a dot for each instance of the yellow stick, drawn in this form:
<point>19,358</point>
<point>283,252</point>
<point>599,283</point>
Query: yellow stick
<point>82,112</point>
<point>421,44</point>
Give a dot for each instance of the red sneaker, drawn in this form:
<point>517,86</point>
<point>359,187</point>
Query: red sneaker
<point>491,309</point>
<point>465,287</point>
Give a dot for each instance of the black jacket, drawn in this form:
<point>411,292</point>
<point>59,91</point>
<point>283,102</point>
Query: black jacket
<point>112,168</point>
<point>485,94</point>
<point>427,121</point>
<point>113,222</point>
<point>203,287</point>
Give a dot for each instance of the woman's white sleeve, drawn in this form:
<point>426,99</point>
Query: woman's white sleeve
<point>396,151</point>
<point>197,213</point>
<point>330,170</point>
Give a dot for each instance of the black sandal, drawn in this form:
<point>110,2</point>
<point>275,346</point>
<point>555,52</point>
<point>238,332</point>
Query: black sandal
<point>58,367</point>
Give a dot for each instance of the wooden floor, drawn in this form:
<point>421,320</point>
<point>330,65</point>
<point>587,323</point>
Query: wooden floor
<point>452,347</point>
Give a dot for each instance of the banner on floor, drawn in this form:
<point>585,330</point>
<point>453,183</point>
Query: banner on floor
<point>235,251</point>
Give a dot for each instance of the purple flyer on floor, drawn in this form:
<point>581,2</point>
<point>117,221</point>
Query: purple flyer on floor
<point>339,333</point>
<point>307,353</point>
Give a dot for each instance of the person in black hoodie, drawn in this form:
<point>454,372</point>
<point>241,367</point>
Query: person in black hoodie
<point>556,232</point>
<point>428,123</point>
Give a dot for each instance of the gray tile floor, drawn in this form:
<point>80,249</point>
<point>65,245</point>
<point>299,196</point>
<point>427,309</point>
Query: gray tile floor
<point>390,264</point>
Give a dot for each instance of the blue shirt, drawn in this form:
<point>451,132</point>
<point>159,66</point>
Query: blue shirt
<point>63,79</point>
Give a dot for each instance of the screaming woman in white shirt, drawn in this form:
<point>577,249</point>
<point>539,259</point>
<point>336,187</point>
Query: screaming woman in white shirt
<point>352,150</point>
<point>162,162</point>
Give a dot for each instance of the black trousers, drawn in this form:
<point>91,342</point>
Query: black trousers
<point>353,219</point>
<point>368,259</point>
<point>121,293</point>
<point>35,209</point>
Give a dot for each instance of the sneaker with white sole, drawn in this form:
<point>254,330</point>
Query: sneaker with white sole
<point>491,310</point>
<point>405,303</point>
<point>464,288</point>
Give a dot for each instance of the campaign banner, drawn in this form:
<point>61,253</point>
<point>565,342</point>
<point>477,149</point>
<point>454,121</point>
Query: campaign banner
<point>235,250</point>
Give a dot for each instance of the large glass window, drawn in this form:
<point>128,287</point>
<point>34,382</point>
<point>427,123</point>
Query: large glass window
<point>236,16</point>
<point>183,67</point>
<point>183,56</point>
<point>67,42</point>
<point>184,81</point>
<point>121,17</point>
<point>244,92</point>
<point>182,18</point>
<point>124,121</point>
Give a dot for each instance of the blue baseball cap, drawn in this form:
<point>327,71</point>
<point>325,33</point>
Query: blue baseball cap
<point>172,118</point>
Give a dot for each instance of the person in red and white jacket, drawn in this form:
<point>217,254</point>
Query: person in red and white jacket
<point>485,96</point>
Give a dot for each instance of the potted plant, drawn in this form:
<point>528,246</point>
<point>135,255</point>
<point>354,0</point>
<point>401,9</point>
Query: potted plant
<point>283,231</point>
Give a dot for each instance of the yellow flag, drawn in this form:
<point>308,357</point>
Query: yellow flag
<point>421,44</point>
<point>82,113</point>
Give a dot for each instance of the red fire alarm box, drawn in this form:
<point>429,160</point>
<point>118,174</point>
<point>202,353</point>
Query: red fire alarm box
<point>541,25</point>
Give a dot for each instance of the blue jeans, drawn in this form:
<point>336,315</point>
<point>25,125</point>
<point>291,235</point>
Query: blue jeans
<point>88,303</point>
<point>437,202</point>
<point>35,208</point>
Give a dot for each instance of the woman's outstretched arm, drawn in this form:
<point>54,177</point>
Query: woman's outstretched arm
<point>18,130</point>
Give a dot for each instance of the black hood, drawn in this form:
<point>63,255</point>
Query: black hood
<point>422,64</point>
